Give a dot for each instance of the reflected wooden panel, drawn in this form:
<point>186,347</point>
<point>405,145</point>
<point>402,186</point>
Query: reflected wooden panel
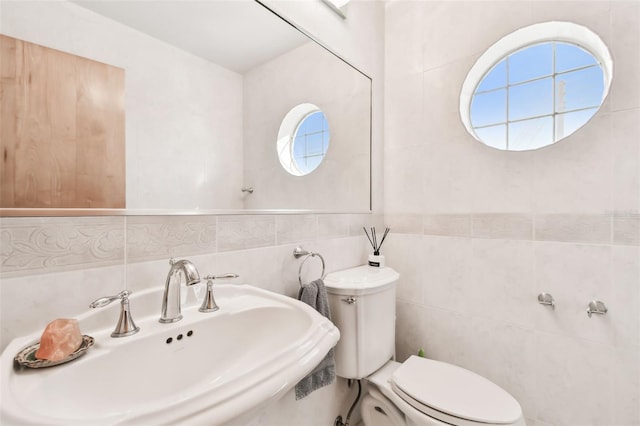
<point>62,136</point>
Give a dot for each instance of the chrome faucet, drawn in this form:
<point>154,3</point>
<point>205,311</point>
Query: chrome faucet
<point>171,299</point>
<point>125,326</point>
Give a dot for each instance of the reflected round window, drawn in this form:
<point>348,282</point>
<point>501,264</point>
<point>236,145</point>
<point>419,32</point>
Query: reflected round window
<point>303,139</point>
<point>536,86</point>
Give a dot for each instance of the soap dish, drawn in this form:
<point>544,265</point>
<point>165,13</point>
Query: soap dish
<point>27,356</point>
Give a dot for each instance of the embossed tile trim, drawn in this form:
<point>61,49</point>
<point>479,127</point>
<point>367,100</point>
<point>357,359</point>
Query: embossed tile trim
<point>576,228</point>
<point>157,237</point>
<point>506,226</point>
<point>454,225</point>
<point>626,229</point>
<point>51,244</point>
<point>244,232</point>
<point>294,228</point>
<point>404,223</point>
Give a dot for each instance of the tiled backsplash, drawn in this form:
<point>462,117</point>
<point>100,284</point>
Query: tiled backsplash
<point>53,244</point>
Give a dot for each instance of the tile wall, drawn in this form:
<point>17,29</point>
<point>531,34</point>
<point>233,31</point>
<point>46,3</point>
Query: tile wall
<point>479,233</point>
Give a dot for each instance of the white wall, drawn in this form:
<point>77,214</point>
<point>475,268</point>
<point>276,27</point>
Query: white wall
<point>480,232</point>
<point>183,113</point>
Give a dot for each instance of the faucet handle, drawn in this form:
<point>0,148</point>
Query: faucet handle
<point>125,325</point>
<point>209,303</point>
<point>219,277</point>
<point>104,301</point>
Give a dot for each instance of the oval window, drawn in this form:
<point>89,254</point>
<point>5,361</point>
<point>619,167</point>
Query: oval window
<point>303,139</point>
<point>536,91</point>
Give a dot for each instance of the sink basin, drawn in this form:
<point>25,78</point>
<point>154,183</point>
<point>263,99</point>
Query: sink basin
<point>218,367</point>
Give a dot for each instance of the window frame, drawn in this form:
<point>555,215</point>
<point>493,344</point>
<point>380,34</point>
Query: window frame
<point>548,32</point>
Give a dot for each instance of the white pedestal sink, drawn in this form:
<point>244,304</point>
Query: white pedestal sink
<point>219,367</point>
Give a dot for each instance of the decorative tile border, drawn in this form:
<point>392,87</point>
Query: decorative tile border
<point>157,237</point>
<point>608,228</point>
<point>39,245</point>
<point>245,232</point>
<point>49,244</point>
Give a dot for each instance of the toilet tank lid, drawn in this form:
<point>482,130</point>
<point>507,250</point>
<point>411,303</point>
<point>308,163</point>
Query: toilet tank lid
<point>361,279</point>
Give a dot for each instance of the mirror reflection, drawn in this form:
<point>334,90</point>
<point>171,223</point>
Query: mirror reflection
<point>207,85</point>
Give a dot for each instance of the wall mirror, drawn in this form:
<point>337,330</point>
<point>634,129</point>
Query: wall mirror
<point>207,85</point>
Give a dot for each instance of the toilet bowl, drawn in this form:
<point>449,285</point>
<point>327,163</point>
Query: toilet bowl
<point>419,391</point>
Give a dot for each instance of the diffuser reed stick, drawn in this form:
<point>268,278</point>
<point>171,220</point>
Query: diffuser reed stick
<point>373,239</point>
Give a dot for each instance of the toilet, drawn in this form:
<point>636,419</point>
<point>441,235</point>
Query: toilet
<point>419,391</point>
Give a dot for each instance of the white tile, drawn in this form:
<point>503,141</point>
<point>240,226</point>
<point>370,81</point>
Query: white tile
<point>573,381</point>
<point>626,386</point>
<point>447,274</point>
<point>574,175</point>
<point>409,330</point>
<point>625,143</point>
<point>403,38</point>
<point>404,253</point>
<point>509,360</point>
<point>28,304</point>
<point>403,107</point>
<point>574,274</point>
<point>452,30</point>
<point>503,181</point>
<point>625,90</point>
<point>625,303</point>
<point>502,281</point>
<point>403,183</point>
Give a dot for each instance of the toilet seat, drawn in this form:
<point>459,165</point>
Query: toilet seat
<point>453,394</point>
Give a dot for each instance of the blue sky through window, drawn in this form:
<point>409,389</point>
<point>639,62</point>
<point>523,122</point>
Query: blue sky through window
<point>517,104</point>
<point>310,142</point>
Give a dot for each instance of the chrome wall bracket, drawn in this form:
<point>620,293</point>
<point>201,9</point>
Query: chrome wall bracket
<point>596,307</point>
<point>546,299</point>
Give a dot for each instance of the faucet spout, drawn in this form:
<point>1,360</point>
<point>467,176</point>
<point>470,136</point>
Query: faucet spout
<point>171,298</point>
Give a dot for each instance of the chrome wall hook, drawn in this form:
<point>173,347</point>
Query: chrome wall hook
<point>546,299</point>
<point>596,307</point>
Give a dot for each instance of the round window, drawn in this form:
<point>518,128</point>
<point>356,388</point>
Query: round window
<point>303,139</point>
<point>536,86</point>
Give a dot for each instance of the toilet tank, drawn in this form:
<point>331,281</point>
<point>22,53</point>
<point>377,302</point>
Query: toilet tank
<point>363,307</point>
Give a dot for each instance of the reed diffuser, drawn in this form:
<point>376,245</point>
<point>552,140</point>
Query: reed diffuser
<point>376,259</point>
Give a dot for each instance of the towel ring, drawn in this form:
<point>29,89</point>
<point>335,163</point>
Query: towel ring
<point>299,252</point>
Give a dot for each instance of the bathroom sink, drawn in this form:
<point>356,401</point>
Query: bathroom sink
<point>218,367</point>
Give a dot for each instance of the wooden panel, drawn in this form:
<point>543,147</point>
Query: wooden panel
<point>8,121</point>
<point>62,129</point>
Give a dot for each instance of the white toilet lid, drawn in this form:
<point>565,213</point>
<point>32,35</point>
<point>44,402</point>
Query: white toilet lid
<point>453,390</point>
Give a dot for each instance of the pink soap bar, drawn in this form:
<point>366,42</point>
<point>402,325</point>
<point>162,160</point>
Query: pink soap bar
<point>60,338</point>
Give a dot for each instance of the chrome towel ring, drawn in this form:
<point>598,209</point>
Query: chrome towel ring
<point>299,252</point>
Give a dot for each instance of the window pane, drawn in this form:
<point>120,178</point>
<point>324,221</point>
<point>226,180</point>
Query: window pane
<point>532,62</point>
<point>314,144</point>
<point>569,56</point>
<point>495,136</point>
<point>579,89</point>
<point>496,78</point>
<point>530,134</point>
<point>489,108</point>
<point>568,123</point>
<point>531,99</point>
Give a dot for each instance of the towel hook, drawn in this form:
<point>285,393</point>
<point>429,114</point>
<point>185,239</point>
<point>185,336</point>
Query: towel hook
<point>298,252</point>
